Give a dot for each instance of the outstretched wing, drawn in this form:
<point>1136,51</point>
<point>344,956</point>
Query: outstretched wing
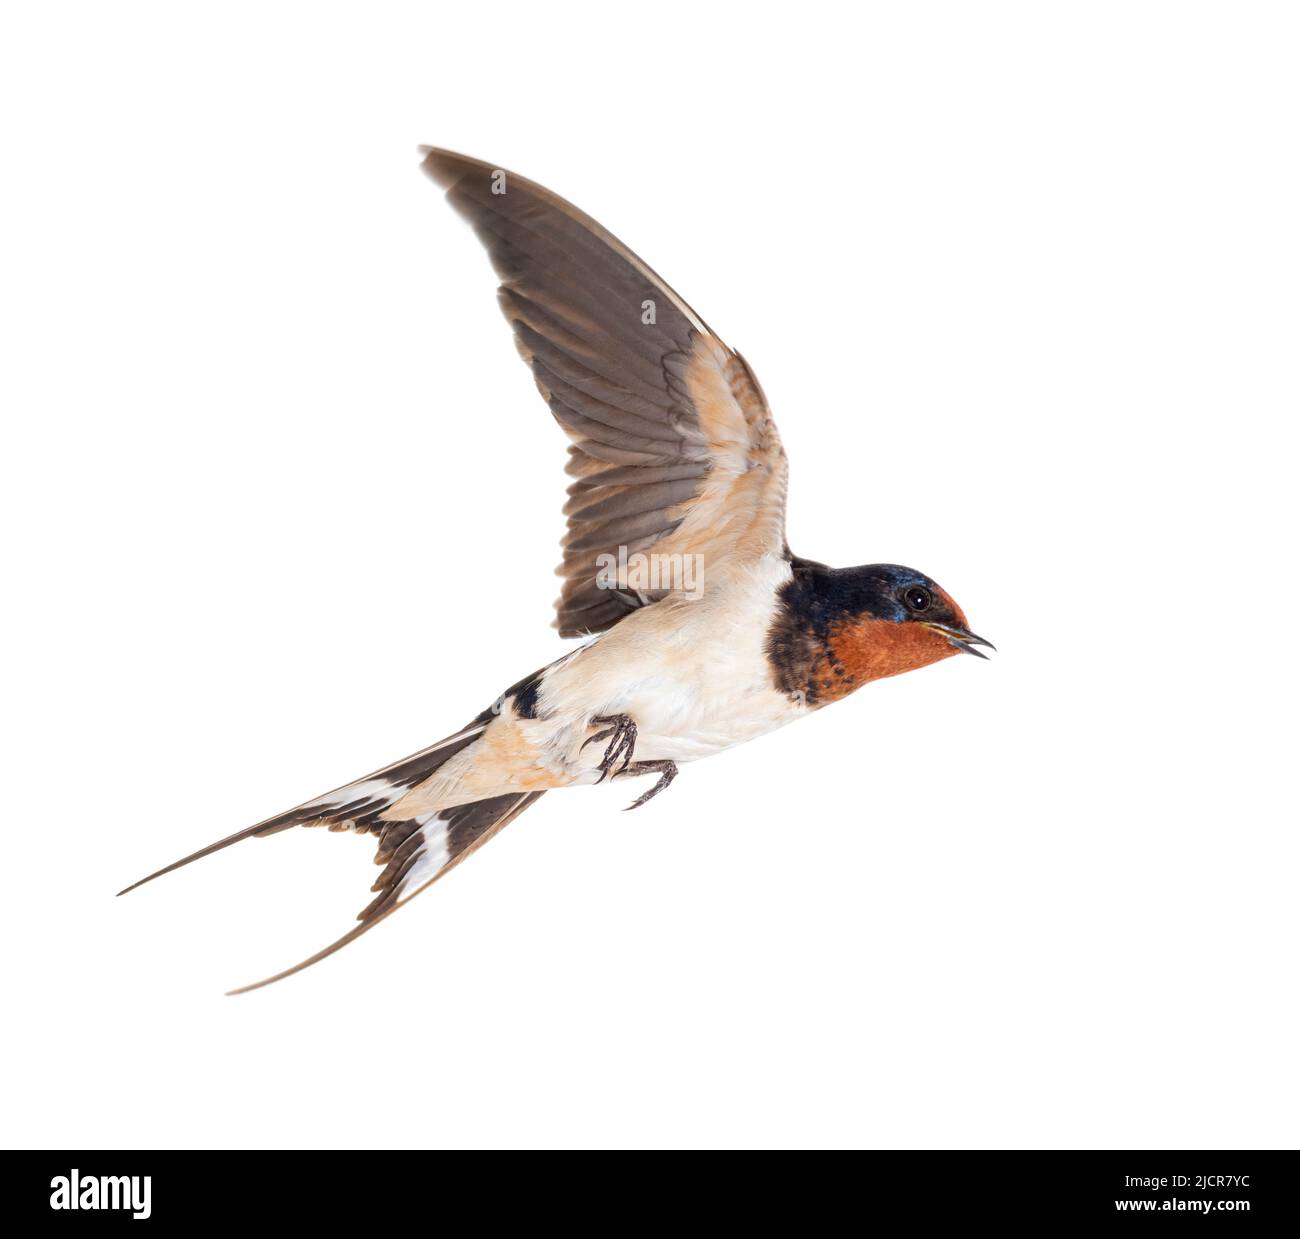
<point>674,450</point>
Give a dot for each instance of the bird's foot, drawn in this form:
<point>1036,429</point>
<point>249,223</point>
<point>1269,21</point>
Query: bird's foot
<point>620,731</point>
<point>666,770</point>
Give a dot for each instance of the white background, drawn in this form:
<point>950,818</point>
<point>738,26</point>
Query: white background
<point>281,505</point>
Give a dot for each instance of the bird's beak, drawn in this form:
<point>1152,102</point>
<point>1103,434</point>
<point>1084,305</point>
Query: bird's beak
<point>962,638</point>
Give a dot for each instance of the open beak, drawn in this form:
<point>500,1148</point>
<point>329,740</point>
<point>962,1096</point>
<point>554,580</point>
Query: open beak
<point>962,638</point>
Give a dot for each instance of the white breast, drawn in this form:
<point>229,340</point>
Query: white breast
<point>692,674</point>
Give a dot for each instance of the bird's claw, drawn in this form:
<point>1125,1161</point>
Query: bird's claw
<point>621,734</point>
<point>667,771</point>
<point>620,731</point>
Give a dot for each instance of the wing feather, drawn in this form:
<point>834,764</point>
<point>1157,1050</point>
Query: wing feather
<point>673,446</point>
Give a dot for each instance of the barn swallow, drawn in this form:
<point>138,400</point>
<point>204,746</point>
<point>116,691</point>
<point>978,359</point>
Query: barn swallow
<point>704,629</point>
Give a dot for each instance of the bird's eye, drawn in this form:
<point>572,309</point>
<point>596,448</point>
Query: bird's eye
<point>917,598</point>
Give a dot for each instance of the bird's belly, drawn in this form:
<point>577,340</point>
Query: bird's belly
<point>693,676</point>
<point>683,722</point>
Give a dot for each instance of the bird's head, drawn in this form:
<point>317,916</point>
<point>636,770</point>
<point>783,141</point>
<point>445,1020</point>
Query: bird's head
<point>911,617</point>
<point>844,627</point>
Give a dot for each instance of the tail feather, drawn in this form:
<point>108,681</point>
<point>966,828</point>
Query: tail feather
<point>261,829</point>
<point>415,852</point>
<point>430,848</point>
<point>354,806</point>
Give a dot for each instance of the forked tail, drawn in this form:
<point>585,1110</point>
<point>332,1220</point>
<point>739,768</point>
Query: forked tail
<point>415,852</point>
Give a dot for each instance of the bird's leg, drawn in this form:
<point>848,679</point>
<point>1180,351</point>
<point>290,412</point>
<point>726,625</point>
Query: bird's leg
<point>621,734</point>
<point>666,770</point>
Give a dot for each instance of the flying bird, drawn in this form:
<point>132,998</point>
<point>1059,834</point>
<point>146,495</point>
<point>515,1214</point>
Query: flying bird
<point>704,629</point>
